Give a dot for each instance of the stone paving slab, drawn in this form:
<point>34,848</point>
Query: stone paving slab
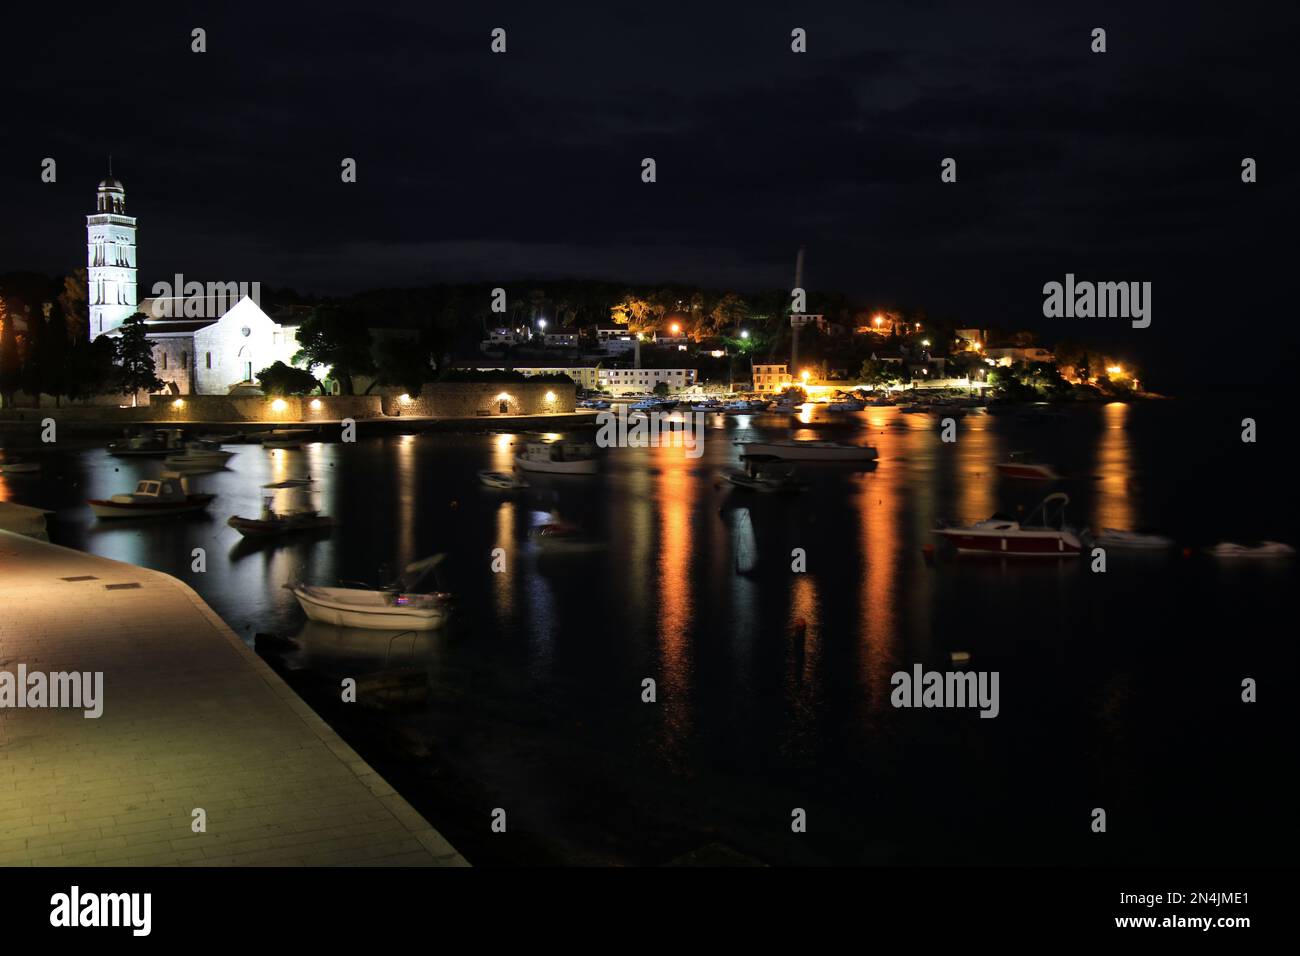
<point>192,718</point>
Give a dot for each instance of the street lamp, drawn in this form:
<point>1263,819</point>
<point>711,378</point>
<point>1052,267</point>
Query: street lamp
<point>744,334</point>
<point>542,324</point>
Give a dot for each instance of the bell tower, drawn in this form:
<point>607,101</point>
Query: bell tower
<point>110,259</point>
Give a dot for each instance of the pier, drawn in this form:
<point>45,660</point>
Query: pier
<point>194,727</point>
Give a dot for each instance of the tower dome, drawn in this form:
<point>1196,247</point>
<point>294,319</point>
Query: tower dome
<point>111,196</point>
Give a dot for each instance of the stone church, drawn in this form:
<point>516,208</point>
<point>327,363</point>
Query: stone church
<point>206,343</point>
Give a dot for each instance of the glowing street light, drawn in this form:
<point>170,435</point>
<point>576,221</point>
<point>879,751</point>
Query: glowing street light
<point>1114,370</point>
<point>542,324</point>
<point>674,328</point>
<point>925,342</point>
<point>805,375</point>
<point>744,333</point>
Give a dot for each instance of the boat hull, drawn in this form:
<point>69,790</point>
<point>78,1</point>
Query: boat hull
<point>582,466</point>
<point>320,607</point>
<point>257,528</point>
<point>104,508</point>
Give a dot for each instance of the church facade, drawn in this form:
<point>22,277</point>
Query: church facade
<point>202,344</point>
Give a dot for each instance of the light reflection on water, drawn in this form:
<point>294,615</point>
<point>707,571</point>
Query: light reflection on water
<point>768,679</point>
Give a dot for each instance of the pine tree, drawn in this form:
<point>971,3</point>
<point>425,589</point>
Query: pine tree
<point>135,356</point>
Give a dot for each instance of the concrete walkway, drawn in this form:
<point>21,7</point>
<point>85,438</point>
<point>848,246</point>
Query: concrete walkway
<point>192,718</point>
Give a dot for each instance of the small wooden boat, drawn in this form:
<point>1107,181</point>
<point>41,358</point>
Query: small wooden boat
<point>501,479</point>
<point>271,523</point>
<point>19,467</point>
<point>197,461</point>
<point>290,483</point>
<point>373,610</point>
<point>151,497</point>
<point>1230,550</point>
<point>1021,465</point>
<point>1043,534</point>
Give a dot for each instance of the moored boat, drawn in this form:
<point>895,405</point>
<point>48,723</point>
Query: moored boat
<point>1020,465</point>
<point>19,467</point>
<point>1133,540</point>
<point>501,479</point>
<point>156,496</point>
<point>373,610</point>
<point>558,458</point>
<point>1230,550</point>
<point>1043,534</point>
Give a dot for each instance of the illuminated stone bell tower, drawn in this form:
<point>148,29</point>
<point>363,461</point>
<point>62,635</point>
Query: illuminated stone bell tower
<point>110,259</point>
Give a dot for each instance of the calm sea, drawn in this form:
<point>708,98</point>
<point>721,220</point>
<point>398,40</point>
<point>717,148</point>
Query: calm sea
<point>1118,690</point>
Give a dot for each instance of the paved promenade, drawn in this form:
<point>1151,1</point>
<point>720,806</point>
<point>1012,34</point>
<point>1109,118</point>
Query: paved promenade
<point>192,718</point>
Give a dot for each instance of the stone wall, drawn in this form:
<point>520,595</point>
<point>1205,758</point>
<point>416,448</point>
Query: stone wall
<point>256,408</point>
<point>482,400</point>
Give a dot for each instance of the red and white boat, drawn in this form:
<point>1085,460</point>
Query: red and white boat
<point>1043,533</point>
<point>1020,465</point>
<point>152,497</point>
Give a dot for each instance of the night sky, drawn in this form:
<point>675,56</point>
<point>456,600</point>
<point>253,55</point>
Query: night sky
<point>474,166</point>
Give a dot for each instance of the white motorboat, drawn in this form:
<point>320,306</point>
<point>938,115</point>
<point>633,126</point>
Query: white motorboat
<point>1132,540</point>
<point>157,496</point>
<point>1265,549</point>
<point>373,610</point>
<point>1043,534</point>
<point>501,479</point>
<point>809,450</point>
<point>558,458</point>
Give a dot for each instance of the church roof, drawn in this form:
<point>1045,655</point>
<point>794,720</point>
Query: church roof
<point>111,183</point>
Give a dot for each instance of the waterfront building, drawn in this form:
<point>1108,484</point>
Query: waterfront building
<point>772,378</point>
<point>626,381</point>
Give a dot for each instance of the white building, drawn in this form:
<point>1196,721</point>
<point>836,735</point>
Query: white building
<point>625,381</point>
<point>210,356</point>
<point>203,344</point>
<point>110,259</point>
<point>617,339</point>
<point>771,378</point>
